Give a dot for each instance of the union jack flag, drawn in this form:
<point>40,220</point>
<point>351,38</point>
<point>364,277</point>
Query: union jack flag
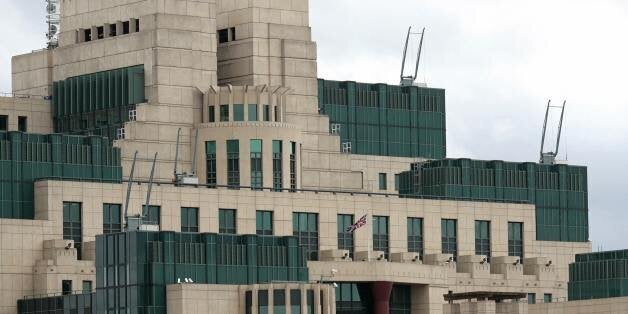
<point>361,222</point>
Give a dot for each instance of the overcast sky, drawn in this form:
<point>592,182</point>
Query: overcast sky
<point>499,61</point>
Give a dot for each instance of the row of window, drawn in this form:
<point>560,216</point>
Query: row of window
<point>382,179</point>
<point>305,228</point>
<point>238,113</point>
<point>66,287</point>
<point>257,172</point>
<point>22,123</point>
<point>109,30</point>
<point>547,298</point>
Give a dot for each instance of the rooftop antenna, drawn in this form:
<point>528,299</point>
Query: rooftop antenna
<point>128,193</point>
<point>409,80</point>
<point>53,19</point>
<point>550,157</point>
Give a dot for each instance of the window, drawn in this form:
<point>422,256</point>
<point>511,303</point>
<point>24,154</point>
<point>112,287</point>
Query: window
<point>22,124</point>
<point>210,159</point>
<point>257,174</point>
<point>415,236</point>
<point>153,215</point>
<point>137,25</point>
<point>253,112</point>
<point>266,113</point>
<point>238,112</point>
<point>112,218</point>
<point>212,114</point>
<point>293,166</point>
<point>112,30</point>
<point>72,226</point>
<point>380,234</point>
<point>88,34</point>
<point>515,240</point>
<point>277,166</point>
<point>396,182</point>
<point>224,113</point>
<point>189,219</point>
<point>233,163</point>
<point>264,222</point>
<point>345,238</point>
<point>279,301</point>
<point>66,287</point>
<point>223,36</point>
<point>449,237</point>
<point>531,298</point>
<point>382,181</point>
<point>227,221</point>
<point>87,286</point>
<point>262,301</point>
<point>233,33</point>
<point>483,238</point>
<point>276,113</point>
<point>125,27</point>
<point>547,298</point>
<point>295,301</point>
<point>100,30</point>
<point>305,228</point>
<point>4,123</point>
<point>348,299</point>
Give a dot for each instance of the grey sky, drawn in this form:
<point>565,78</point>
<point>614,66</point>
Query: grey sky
<point>499,62</point>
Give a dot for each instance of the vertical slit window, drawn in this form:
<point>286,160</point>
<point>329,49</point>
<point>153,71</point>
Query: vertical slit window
<point>345,237</point>
<point>515,240</point>
<point>72,225</point>
<point>212,114</point>
<point>233,163</point>
<point>380,235</point>
<point>305,228</point>
<point>112,218</point>
<point>449,237</point>
<point>264,222</point>
<point>483,238</point>
<point>227,221</point>
<point>277,166</point>
<point>257,177</point>
<point>415,236</point>
<point>253,112</point>
<point>189,219</point>
<point>224,113</point>
<point>293,166</point>
<point>210,159</point>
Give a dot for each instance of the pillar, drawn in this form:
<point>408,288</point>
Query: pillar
<point>381,296</point>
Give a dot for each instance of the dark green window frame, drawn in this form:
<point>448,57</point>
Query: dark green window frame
<point>264,222</point>
<point>415,236</point>
<point>483,238</point>
<point>4,122</point>
<point>210,159</point>
<point>153,215</point>
<point>293,166</point>
<point>112,218</point>
<point>547,298</point>
<point>381,240</point>
<point>277,166</point>
<point>189,219</point>
<point>233,163</point>
<point>257,170</point>
<point>383,184</point>
<point>305,228</point>
<point>238,112</point>
<point>252,115</point>
<point>515,240</point>
<point>87,286</point>
<point>73,225</point>
<point>345,238</point>
<point>224,113</point>
<point>449,237</point>
<point>227,221</point>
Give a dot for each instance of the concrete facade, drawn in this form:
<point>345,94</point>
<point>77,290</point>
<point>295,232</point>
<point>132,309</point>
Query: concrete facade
<point>36,110</point>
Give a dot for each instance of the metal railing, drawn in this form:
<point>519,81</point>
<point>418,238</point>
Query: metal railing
<point>25,96</point>
<point>55,294</point>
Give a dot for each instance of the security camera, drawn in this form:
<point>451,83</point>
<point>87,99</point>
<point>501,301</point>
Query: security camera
<point>415,258</point>
<point>450,260</point>
<point>380,257</point>
<point>345,256</point>
<point>517,261</point>
<point>69,246</point>
<point>484,260</point>
<point>548,264</point>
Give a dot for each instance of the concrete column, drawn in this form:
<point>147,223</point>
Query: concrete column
<point>381,296</point>
<point>427,299</point>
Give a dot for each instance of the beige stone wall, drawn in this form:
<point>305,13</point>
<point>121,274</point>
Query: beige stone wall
<point>31,74</point>
<point>35,109</point>
<point>599,306</point>
<point>230,299</point>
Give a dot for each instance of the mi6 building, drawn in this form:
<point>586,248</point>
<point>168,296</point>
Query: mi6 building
<point>182,156</point>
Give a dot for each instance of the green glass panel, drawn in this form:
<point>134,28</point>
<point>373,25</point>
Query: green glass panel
<point>238,112</point>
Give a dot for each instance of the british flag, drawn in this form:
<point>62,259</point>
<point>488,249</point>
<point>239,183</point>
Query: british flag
<point>361,222</point>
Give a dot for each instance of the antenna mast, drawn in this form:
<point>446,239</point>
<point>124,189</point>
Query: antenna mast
<point>550,157</point>
<point>409,80</point>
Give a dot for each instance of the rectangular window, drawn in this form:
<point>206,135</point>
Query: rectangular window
<point>382,182</point>
<point>380,234</point>
<point>223,35</point>
<point>88,34</point>
<point>87,286</point>
<point>22,124</point>
<point>415,236</point>
<point>126,27</point>
<point>515,240</point>
<point>112,218</point>
<point>227,221</point>
<point>264,222</point>
<point>112,30</point>
<point>305,228</point>
<point>189,219</point>
<point>212,114</point>
<point>483,238</point>
<point>137,25</point>
<point>238,112</point>
<point>153,215</point>
<point>293,166</point>
<point>4,123</point>
<point>449,237</point>
<point>66,287</point>
<point>531,298</point>
<point>345,238</point>
<point>253,112</point>
<point>279,301</point>
<point>257,174</point>
<point>233,163</point>
<point>210,159</point>
<point>232,31</point>
<point>224,113</point>
<point>547,298</point>
<point>295,301</point>
<point>277,166</point>
<point>72,225</point>
<point>100,30</point>
<point>262,301</point>
<point>266,113</point>
<point>396,182</point>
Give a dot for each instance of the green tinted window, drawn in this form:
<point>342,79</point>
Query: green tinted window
<point>257,178</point>
<point>227,221</point>
<point>415,235</point>
<point>277,166</point>
<point>210,160</point>
<point>72,224</point>
<point>345,237</point>
<point>153,215</point>
<point>380,234</point>
<point>305,228</point>
<point>224,113</point>
<point>112,220</point>
<point>483,238</point>
<point>253,112</point>
<point>264,222</point>
<point>189,219</point>
<point>515,239</point>
<point>238,112</point>
<point>383,185</point>
<point>233,163</point>
<point>449,237</point>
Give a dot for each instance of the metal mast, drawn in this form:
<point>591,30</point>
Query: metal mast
<point>409,80</point>
<point>550,157</point>
<point>128,192</point>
